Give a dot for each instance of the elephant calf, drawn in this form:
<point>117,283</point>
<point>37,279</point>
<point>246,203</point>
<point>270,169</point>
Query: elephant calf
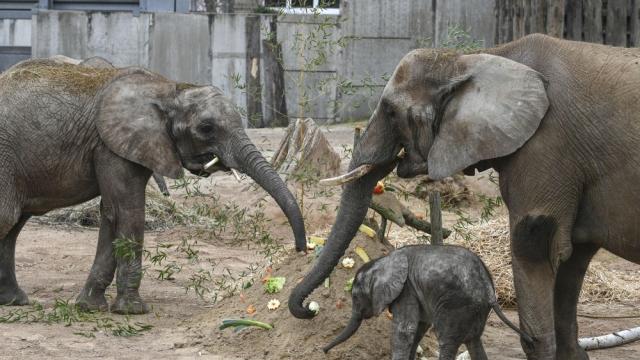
<point>445,286</point>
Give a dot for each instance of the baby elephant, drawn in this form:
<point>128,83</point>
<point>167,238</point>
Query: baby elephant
<point>445,286</point>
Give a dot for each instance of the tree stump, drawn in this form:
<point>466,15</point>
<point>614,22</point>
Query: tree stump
<point>304,152</point>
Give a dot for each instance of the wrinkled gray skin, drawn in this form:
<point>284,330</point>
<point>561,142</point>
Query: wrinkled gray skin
<point>558,120</point>
<point>69,133</point>
<point>447,287</point>
<point>102,63</point>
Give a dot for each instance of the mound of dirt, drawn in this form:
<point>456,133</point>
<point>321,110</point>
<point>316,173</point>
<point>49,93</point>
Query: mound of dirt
<point>292,338</point>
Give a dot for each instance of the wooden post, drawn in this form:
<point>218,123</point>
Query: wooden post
<point>616,30</point>
<point>356,136</point>
<point>592,25</point>
<point>555,18</point>
<point>573,15</point>
<point>436,218</point>
<point>252,72</point>
<point>274,95</point>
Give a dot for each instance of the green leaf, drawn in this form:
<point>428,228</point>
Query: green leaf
<point>349,285</point>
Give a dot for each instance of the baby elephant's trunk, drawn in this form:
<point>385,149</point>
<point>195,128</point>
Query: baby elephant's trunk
<point>504,319</point>
<point>348,331</point>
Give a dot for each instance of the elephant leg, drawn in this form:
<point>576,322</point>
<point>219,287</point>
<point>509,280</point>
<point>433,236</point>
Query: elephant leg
<point>476,349</point>
<point>448,349</point>
<point>103,269</point>
<point>420,331</point>
<point>568,284</point>
<point>406,325</point>
<point>534,280</point>
<point>10,292</point>
<point>122,186</point>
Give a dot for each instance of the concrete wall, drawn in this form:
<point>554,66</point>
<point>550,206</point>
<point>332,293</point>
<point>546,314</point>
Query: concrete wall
<point>15,32</point>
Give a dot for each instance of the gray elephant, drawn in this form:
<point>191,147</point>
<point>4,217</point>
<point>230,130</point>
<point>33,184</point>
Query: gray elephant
<point>69,133</point>
<point>447,287</point>
<point>102,63</point>
<point>558,120</point>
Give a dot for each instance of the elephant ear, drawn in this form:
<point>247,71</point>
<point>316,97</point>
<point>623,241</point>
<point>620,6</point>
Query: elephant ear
<point>389,275</point>
<point>490,116</point>
<point>133,115</point>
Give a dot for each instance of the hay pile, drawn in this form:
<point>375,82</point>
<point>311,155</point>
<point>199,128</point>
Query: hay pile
<point>491,242</point>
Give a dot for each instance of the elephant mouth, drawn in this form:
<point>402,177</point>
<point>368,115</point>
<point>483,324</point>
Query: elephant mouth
<point>205,164</point>
<point>408,168</point>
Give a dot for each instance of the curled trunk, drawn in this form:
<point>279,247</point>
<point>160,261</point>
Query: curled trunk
<point>252,163</point>
<point>353,208</point>
<point>348,331</point>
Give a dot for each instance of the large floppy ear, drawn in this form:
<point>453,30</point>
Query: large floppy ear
<point>133,115</point>
<point>388,276</point>
<point>491,115</point>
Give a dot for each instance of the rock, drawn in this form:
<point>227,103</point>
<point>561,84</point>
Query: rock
<point>305,153</point>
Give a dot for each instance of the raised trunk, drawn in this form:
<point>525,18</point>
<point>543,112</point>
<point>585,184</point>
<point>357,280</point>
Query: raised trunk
<point>252,163</point>
<point>348,331</point>
<point>353,208</point>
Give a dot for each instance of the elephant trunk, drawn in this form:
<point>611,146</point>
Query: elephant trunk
<point>349,330</point>
<point>354,204</point>
<point>252,163</point>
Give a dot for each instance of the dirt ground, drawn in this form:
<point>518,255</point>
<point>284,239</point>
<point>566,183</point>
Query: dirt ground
<point>53,261</point>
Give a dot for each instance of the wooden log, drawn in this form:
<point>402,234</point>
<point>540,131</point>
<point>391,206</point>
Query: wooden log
<point>275,107</point>
<point>555,18</point>
<point>356,135</point>
<point>538,15</point>
<point>592,21</point>
<point>252,72</point>
<point>436,218</point>
<point>634,23</point>
<point>419,224</point>
<point>616,29</point>
<point>606,341</point>
<point>573,26</point>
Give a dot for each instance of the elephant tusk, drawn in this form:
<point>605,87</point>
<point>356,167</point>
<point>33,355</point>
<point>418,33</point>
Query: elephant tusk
<point>236,174</point>
<point>401,154</point>
<point>210,164</point>
<point>354,174</point>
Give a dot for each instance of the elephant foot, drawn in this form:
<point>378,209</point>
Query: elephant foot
<point>91,303</point>
<point>574,353</point>
<point>129,305</point>
<point>13,295</point>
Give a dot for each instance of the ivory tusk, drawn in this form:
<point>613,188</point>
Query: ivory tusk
<point>236,174</point>
<point>354,174</point>
<point>401,154</point>
<point>210,164</point>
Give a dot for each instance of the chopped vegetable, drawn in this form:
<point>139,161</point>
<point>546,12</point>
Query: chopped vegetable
<point>318,250</point>
<point>274,284</point>
<point>327,283</point>
<point>348,262</point>
<point>273,304</point>
<point>362,253</point>
<point>244,322</point>
<point>251,309</point>
<point>379,189</point>
<point>367,231</point>
<point>349,285</point>
<point>314,306</point>
<point>311,246</point>
<point>316,240</point>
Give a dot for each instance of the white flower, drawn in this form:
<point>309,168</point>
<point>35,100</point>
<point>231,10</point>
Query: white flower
<point>348,263</point>
<point>314,306</point>
<point>311,245</point>
<point>273,304</point>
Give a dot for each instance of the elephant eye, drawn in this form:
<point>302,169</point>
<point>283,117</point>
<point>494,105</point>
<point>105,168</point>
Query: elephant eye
<point>205,128</point>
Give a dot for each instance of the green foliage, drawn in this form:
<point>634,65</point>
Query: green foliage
<point>274,284</point>
<point>125,248</point>
<point>460,39</point>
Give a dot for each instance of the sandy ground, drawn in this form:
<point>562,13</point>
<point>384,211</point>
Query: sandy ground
<point>53,262</point>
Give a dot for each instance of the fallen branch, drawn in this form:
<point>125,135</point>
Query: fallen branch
<point>611,340</point>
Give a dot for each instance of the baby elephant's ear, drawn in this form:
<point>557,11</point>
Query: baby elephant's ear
<point>389,276</point>
<point>132,121</point>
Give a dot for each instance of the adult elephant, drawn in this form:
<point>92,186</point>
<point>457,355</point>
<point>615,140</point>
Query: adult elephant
<point>69,133</point>
<point>558,120</point>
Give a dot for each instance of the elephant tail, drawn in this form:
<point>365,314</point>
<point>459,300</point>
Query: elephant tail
<point>498,311</point>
